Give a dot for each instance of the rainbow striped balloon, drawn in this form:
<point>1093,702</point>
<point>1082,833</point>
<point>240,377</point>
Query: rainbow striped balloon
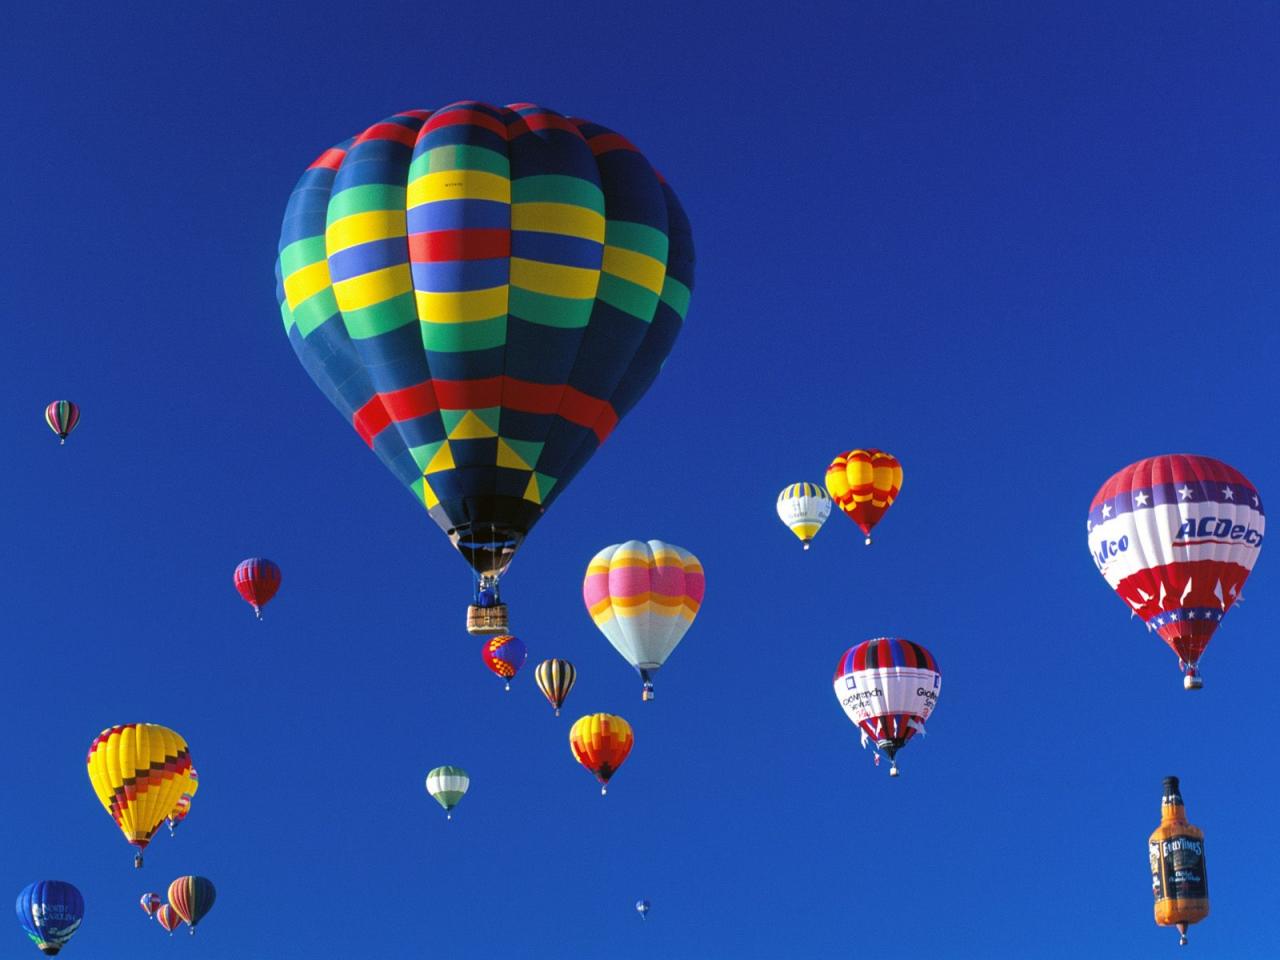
<point>643,597</point>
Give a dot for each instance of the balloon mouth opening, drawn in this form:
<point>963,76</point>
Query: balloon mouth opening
<point>49,950</point>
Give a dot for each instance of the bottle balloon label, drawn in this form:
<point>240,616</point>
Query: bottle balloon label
<point>1177,869</point>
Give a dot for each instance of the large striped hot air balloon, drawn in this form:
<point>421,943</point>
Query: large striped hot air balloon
<point>483,292</point>
<point>643,597</point>
<point>888,687</point>
<point>257,580</point>
<point>1176,537</point>
<point>555,678</point>
<point>447,786</point>
<point>601,742</point>
<point>864,484</point>
<point>50,912</point>
<point>138,771</point>
<point>62,417</point>
<point>192,897</point>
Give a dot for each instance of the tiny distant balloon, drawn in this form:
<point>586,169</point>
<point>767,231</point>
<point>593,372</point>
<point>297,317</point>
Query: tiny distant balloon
<point>447,786</point>
<point>62,417</point>
<point>601,742</point>
<point>864,484</point>
<point>555,678</point>
<point>150,904</point>
<point>168,918</point>
<point>183,806</point>
<point>192,897</point>
<point>257,580</point>
<point>504,655</point>
<point>50,912</point>
<point>138,771</point>
<point>642,908</point>
<point>804,508</point>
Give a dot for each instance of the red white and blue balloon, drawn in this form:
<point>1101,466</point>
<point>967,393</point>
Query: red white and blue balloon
<point>1176,537</point>
<point>888,687</point>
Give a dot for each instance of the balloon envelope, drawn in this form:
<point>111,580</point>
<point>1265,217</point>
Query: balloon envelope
<point>50,912</point>
<point>257,580</point>
<point>504,655</point>
<point>804,508</point>
<point>888,687</point>
<point>483,292</point>
<point>192,897</point>
<point>138,771</point>
<point>447,785</point>
<point>601,742</point>
<point>150,903</point>
<point>643,597</point>
<point>62,417</point>
<point>168,918</point>
<point>1176,537</point>
<point>864,484</point>
<point>555,678</point>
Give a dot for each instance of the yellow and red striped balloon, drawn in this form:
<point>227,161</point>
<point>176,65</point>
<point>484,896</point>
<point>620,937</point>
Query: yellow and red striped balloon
<point>864,484</point>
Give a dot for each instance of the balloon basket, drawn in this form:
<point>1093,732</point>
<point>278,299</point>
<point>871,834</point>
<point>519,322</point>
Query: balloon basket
<point>487,621</point>
<point>1192,681</point>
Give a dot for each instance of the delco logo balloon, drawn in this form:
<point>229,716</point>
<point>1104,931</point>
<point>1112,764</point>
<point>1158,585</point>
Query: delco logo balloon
<point>1218,529</point>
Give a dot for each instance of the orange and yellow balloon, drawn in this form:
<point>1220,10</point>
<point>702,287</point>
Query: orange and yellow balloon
<point>864,484</point>
<point>601,742</point>
<point>138,771</point>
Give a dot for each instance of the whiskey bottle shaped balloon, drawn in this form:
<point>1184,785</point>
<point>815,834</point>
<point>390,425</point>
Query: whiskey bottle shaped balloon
<point>1176,852</point>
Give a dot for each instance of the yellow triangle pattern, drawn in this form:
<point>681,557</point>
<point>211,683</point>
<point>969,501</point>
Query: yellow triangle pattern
<point>471,427</point>
<point>531,492</point>
<point>429,497</point>
<point>509,458</point>
<point>443,460</point>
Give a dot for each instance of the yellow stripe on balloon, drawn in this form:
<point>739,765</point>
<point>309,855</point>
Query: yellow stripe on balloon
<point>640,269</point>
<point>306,282</point>
<point>374,287</point>
<point>358,228</point>
<point>562,218</point>
<point>458,185</point>
<point>554,279</point>
<point>462,306</point>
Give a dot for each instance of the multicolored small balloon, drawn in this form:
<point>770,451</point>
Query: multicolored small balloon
<point>192,897</point>
<point>62,417</point>
<point>804,508</point>
<point>50,912</point>
<point>448,785</point>
<point>888,687</point>
<point>864,484</point>
<point>555,678</point>
<point>150,904</point>
<point>601,742</point>
<point>257,580</point>
<point>504,655</point>
<point>168,918</point>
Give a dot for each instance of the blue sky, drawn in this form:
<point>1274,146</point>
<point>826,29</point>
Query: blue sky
<point>1018,245</point>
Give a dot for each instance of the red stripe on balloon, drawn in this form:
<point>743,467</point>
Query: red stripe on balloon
<point>450,118</point>
<point>389,131</point>
<point>472,244</point>
<point>331,159</point>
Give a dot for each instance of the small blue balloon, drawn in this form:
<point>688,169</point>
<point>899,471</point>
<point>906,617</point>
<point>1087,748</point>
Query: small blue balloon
<point>642,907</point>
<point>50,912</point>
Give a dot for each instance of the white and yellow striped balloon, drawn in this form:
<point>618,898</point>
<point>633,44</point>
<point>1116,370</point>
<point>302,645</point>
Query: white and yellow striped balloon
<point>804,508</point>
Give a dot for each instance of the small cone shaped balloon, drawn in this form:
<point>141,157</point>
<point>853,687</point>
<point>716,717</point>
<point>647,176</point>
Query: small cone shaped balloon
<point>50,912</point>
<point>1176,537</point>
<point>642,908</point>
<point>601,743</point>
<point>150,904</point>
<point>448,785</point>
<point>888,687</point>
<point>257,580</point>
<point>192,897</point>
<point>62,417</point>
<point>864,484</point>
<point>1176,854</point>
<point>804,508</point>
<point>643,598</point>
<point>504,655</point>
<point>138,771</point>
<point>555,678</point>
<point>168,918</point>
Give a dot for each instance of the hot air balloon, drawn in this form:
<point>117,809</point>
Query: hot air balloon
<point>50,912</point>
<point>555,678</point>
<point>642,908</point>
<point>601,742</point>
<point>150,904</point>
<point>1175,850</point>
<point>183,806</point>
<point>168,918</point>
<point>804,508</point>
<point>257,580</point>
<point>192,898</point>
<point>448,785</point>
<point>62,417</point>
<point>504,655</point>
<point>643,597</point>
<point>1175,537</point>
<point>483,292</point>
<point>138,771</point>
<point>888,687</point>
<point>864,484</point>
